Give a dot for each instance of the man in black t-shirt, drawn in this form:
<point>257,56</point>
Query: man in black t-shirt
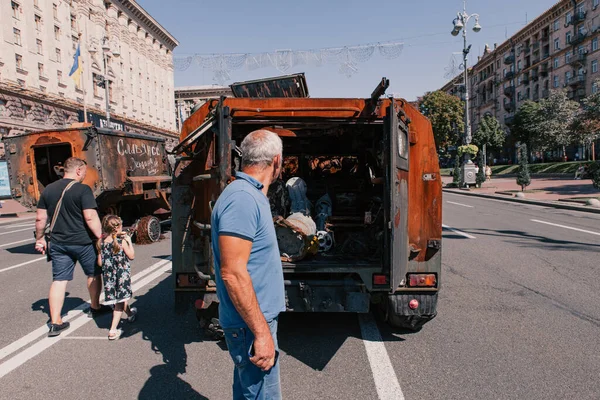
<point>76,228</point>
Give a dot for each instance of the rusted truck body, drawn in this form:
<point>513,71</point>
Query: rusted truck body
<point>129,174</point>
<point>374,159</point>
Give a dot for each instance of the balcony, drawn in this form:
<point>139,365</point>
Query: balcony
<point>578,39</point>
<point>509,75</point>
<point>546,37</point>
<point>509,106</point>
<point>578,17</point>
<point>536,46</point>
<point>509,91</point>
<point>576,80</point>
<point>509,59</point>
<point>578,59</point>
<point>527,50</point>
<point>525,79</point>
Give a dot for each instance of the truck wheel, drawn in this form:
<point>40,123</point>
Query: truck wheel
<point>148,230</point>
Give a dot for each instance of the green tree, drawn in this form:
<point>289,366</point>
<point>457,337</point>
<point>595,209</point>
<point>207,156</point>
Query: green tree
<point>446,113</point>
<point>490,134</point>
<point>586,125</point>
<point>558,114</point>
<point>523,178</point>
<point>525,126</point>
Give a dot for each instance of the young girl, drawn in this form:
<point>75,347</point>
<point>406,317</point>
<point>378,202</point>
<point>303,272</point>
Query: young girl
<point>115,250</point>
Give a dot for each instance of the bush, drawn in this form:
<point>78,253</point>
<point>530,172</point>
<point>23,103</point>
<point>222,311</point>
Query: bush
<point>481,173</point>
<point>594,173</point>
<point>456,173</point>
<point>523,178</point>
<point>468,149</point>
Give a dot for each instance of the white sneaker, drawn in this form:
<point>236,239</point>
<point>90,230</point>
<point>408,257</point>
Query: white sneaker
<point>131,318</point>
<point>114,335</point>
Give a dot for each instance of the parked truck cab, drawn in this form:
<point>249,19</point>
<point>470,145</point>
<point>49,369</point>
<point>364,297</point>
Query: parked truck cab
<point>368,234</point>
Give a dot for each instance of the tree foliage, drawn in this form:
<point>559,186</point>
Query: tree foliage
<point>558,114</point>
<point>489,133</point>
<point>481,173</point>
<point>523,177</point>
<point>446,114</point>
<point>456,173</point>
<point>586,125</point>
<point>524,127</point>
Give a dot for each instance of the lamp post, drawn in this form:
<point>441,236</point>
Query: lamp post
<point>104,82</point>
<point>460,23</point>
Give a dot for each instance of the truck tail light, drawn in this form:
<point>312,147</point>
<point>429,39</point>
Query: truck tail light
<point>422,280</point>
<point>190,280</point>
<point>380,279</point>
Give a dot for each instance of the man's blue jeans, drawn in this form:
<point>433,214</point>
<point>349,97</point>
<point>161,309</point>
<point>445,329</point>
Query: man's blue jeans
<point>249,381</point>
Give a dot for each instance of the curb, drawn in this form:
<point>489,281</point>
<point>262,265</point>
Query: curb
<point>525,201</point>
<point>14,217</point>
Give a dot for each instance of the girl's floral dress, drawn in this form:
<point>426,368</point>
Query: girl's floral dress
<point>116,273</point>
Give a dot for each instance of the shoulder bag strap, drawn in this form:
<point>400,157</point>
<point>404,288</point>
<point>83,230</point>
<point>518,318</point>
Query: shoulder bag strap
<point>59,204</point>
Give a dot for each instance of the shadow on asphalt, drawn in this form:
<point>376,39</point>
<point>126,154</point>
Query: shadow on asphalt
<point>70,303</point>
<point>557,244</point>
<point>23,249</point>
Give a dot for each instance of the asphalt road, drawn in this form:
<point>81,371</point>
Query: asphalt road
<point>519,318</point>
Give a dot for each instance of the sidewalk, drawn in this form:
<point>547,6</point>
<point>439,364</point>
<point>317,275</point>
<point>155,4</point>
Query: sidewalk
<point>552,191</point>
<point>12,210</point>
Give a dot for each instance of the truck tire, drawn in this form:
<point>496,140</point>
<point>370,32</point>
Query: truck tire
<point>148,230</point>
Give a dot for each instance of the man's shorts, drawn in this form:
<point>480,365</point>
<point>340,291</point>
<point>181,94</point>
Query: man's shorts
<point>64,257</point>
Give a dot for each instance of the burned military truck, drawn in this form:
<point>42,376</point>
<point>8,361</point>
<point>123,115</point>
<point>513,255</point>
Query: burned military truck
<point>357,209</point>
<point>128,173</point>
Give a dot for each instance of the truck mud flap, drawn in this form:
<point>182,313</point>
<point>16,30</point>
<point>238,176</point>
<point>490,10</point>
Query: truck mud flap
<point>400,315</point>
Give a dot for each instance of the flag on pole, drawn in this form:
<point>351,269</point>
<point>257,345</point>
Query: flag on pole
<point>77,68</point>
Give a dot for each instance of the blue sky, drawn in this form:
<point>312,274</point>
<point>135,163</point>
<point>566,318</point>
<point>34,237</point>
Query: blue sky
<point>236,26</point>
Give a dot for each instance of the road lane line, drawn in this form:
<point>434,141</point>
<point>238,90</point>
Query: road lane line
<point>17,242</point>
<point>458,232</point>
<point>386,381</point>
<point>47,342</point>
<point>18,230</point>
<point>459,204</point>
<point>23,264</point>
<point>87,337</point>
<point>42,330</point>
<point>566,227</point>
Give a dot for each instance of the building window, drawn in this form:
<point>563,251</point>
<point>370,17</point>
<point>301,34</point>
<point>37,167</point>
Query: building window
<point>59,77</point>
<point>75,41</point>
<point>594,88</point>
<point>520,65</point>
<point>595,3</point>
<point>19,61</point>
<point>556,62</point>
<point>556,81</point>
<point>567,76</point>
<point>594,66</point>
<point>41,70</point>
<point>38,22</point>
<point>57,55</point>
<point>55,11</point>
<point>581,29</point>
<point>36,3</point>
<point>16,9</point>
<point>581,8</point>
<point>568,18</point>
<point>595,43</point>
<point>38,44</point>
<point>73,22</point>
<point>56,33</point>
<point>557,44</point>
<point>557,24</point>
<point>96,80</point>
<point>568,37</point>
<point>568,57</point>
<point>17,35</point>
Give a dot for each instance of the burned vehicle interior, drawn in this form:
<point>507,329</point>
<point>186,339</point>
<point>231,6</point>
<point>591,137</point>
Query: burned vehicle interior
<point>327,204</point>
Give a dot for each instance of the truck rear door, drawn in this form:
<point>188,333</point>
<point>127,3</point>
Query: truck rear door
<point>396,199</point>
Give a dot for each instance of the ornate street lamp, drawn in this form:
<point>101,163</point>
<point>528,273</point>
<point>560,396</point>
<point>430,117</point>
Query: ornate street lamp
<point>460,23</point>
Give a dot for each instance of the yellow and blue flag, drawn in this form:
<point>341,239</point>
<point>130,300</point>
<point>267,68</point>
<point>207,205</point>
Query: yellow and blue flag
<point>77,69</point>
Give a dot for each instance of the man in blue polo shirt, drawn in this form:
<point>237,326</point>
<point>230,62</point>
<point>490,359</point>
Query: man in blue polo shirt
<point>249,274</point>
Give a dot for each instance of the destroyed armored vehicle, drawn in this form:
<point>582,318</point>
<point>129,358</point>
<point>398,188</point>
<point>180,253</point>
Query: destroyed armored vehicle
<point>129,173</point>
<point>357,210</point>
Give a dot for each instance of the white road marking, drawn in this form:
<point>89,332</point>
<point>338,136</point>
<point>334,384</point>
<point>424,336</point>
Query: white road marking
<point>27,354</point>
<point>18,226</point>
<point>508,202</point>
<point>459,204</point>
<point>42,330</point>
<point>18,230</point>
<point>17,242</point>
<point>458,232</point>
<point>87,337</point>
<point>566,227</point>
<point>23,264</point>
<point>386,381</point>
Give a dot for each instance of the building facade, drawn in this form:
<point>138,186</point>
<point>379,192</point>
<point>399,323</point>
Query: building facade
<point>119,42</point>
<point>557,50</point>
<point>188,97</point>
